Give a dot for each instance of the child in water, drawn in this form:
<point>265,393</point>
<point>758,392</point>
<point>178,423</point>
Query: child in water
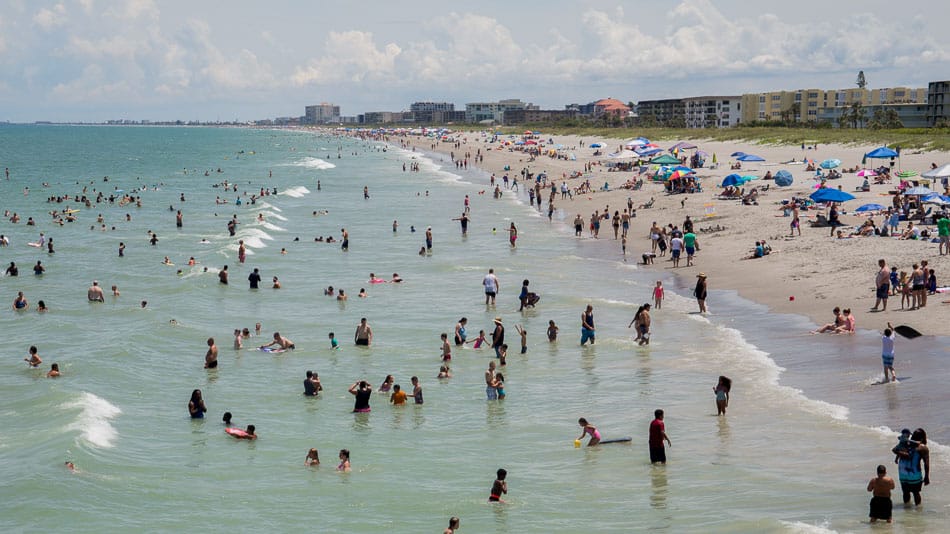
<point>387,384</point>
<point>238,339</point>
<point>552,331</point>
<point>499,487</point>
<point>499,385</point>
<point>334,344</point>
<point>589,429</point>
<point>313,458</point>
<point>524,338</point>
<point>658,295</point>
<point>479,340</point>
<point>722,394</point>
<point>445,372</point>
<point>344,461</point>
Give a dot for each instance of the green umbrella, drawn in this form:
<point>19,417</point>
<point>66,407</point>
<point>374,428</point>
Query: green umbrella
<point>907,174</point>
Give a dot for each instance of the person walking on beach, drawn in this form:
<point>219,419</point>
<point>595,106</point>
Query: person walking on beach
<point>943,233</point>
<point>657,437</point>
<point>491,286</point>
<point>700,292</point>
<point>587,326</point>
<point>882,281</point>
<point>691,245</point>
<point>880,487</point>
<point>364,334</point>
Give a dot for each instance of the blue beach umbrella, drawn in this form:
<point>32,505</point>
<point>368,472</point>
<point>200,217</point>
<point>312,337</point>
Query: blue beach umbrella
<point>750,157</point>
<point>783,178</point>
<point>826,194</point>
<point>918,191</point>
<point>732,179</point>
<point>597,145</point>
<point>737,154</point>
<point>830,163</point>
<point>870,207</point>
<point>649,152</point>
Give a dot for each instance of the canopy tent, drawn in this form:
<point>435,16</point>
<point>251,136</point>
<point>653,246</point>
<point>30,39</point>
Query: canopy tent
<point>882,153</point>
<point>919,191</point>
<point>750,157</point>
<point>647,152</point>
<point>682,145</point>
<point>732,179</point>
<point>942,171</point>
<point>783,178</point>
<point>665,159</point>
<point>736,154</point>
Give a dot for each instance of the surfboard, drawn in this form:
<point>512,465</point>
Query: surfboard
<point>270,349</point>
<point>70,212</point>
<point>907,331</point>
<point>237,432</point>
<point>34,244</point>
<point>616,440</point>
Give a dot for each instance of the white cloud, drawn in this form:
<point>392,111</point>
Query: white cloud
<point>51,18</point>
<point>131,10</point>
<point>349,56</point>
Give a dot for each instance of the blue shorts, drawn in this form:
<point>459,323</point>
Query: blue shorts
<point>883,290</point>
<point>690,251</point>
<point>587,334</point>
<point>888,360</point>
<point>676,253</point>
<point>491,392</point>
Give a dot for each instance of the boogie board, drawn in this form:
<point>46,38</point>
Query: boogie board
<point>237,432</point>
<point>38,245</point>
<point>907,331</point>
<point>271,349</point>
<point>616,440</point>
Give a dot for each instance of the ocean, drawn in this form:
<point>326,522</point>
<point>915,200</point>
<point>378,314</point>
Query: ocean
<point>805,429</point>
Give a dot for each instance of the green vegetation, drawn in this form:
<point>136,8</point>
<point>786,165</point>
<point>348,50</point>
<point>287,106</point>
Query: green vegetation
<point>906,138</point>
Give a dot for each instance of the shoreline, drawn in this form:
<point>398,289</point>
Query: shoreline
<point>805,275</point>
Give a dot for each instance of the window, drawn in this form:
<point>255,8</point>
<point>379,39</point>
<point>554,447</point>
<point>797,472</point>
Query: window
<point>762,99</point>
<point>798,97</point>
<point>813,104</point>
<point>813,112</point>
<point>776,97</point>
<point>813,94</point>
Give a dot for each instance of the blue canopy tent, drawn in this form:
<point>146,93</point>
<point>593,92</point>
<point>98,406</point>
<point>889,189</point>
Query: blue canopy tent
<point>750,157</point>
<point>736,154</point>
<point>882,153</point>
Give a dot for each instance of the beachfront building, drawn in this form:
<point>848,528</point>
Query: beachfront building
<point>322,113</point>
<point>481,112</point>
<point>670,112</point>
<point>435,112</point>
<point>530,116</point>
<point>712,111</point>
<point>938,104</point>
<point>611,107</point>
<point>807,105</point>
<point>912,115</point>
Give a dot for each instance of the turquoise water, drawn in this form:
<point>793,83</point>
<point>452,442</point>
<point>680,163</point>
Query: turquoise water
<point>784,459</point>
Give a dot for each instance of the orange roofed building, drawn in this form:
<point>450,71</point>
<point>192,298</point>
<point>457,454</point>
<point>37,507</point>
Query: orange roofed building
<point>611,106</point>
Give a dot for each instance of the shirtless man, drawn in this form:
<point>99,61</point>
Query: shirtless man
<point>880,488</point>
<point>281,342</point>
<point>95,293</point>
<point>211,357</point>
<point>490,390</point>
<point>644,325</point>
<point>364,334</point>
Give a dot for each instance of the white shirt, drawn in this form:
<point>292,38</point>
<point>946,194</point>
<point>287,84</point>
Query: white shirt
<point>491,283</point>
<point>676,243</point>
<point>887,345</point>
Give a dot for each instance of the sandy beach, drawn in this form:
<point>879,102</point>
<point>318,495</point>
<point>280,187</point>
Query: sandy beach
<point>808,274</point>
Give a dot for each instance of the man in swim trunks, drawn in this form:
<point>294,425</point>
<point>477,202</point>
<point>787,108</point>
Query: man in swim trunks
<point>94,294</point>
<point>223,275</point>
<point>587,325</point>
<point>254,278</point>
<point>211,357</point>
<point>882,281</point>
<point>881,487</point>
<point>491,286</point>
<point>364,334</point>
<point>490,390</point>
<point>657,436</point>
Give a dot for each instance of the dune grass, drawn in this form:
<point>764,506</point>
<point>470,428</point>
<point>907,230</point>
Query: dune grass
<point>925,139</point>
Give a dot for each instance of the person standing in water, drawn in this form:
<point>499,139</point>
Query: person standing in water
<point>587,326</point>
<point>499,487</point>
<point>364,334</point>
<point>196,406</point>
<point>657,436</point>
<point>700,292</point>
<point>211,357</point>
<point>908,466</point>
<point>722,394</point>
<point>887,353</point>
<point>880,487</point>
<point>491,286</point>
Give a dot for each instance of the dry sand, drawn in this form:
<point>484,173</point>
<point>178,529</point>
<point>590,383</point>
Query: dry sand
<point>819,271</point>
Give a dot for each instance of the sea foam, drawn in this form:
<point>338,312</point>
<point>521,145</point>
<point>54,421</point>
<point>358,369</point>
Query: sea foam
<point>95,419</point>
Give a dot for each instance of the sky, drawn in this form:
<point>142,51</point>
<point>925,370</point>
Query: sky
<point>95,60</point>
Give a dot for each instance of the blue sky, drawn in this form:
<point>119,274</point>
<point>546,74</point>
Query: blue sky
<point>174,59</point>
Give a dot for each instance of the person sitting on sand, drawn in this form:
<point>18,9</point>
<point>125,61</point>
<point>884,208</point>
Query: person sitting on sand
<point>832,326</point>
<point>849,323</point>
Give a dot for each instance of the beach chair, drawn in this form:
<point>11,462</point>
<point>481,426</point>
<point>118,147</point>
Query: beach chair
<point>648,204</point>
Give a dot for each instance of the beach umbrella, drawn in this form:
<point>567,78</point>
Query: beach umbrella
<point>749,178</point>
<point>732,179</point>
<point>714,157</point>
<point>870,207</point>
<point>623,154</point>
<point>683,168</point>
<point>882,153</point>
<point>937,199</point>
<point>783,178</point>
<point>942,171</point>
<point>918,191</point>
<point>636,142</point>
<point>737,154</point>
<point>665,159</point>
<point>647,152</point>
<point>907,174</point>
<point>750,157</point>
<point>597,145</point>
<point>830,163</point>
<point>702,153</point>
<point>866,173</point>
<point>682,145</point>
<point>676,175</point>
<point>827,194</point>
